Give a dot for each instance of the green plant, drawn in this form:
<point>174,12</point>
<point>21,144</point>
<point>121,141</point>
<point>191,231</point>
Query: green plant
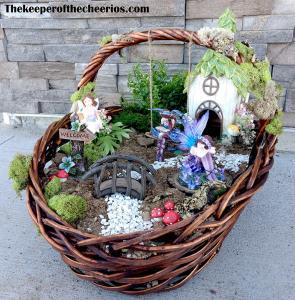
<point>106,142</point>
<point>228,21</point>
<point>70,208</point>
<point>167,91</point>
<point>172,96</point>
<point>52,188</point>
<point>275,126</point>
<point>19,171</point>
<point>83,91</point>
<point>134,120</point>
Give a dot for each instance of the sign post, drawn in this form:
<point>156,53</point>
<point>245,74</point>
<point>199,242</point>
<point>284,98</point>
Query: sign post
<point>77,138</point>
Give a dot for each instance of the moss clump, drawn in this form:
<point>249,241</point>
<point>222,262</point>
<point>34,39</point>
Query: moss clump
<point>66,148</point>
<point>70,208</point>
<point>275,127</point>
<point>19,171</point>
<point>52,188</point>
<point>92,153</point>
<point>105,40</point>
<point>266,107</point>
<point>258,75</point>
<point>83,91</point>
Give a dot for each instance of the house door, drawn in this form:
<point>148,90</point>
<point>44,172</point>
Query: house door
<point>215,122</point>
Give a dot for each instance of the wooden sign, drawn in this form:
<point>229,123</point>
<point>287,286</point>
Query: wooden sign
<point>84,136</point>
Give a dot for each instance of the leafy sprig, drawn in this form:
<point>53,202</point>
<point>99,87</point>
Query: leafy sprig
<point>228,21</point>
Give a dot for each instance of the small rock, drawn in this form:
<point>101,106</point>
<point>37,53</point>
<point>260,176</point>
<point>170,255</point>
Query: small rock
<point>144,141</point>
<point>146,216</point>
<point>58,157</point>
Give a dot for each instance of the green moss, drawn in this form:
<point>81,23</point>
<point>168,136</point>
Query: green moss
<point>70,208</point>
<point>228,21</point>
<point>52,188</point>
<point>105,40</point>
<point>258,75</point>
<point>66,148</point>
<point>19,171</point>
<point>92,153</point>
<point>83,91</point>
<point>275,127</point>
<point>247,52</point>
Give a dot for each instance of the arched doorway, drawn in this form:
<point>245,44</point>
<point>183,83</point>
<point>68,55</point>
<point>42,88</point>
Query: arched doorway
<point>214,125</point>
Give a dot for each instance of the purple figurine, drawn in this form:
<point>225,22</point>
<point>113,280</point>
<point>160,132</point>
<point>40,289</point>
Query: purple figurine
<point>203,151</point>
<point>168,121</point>
<point>198,166</point>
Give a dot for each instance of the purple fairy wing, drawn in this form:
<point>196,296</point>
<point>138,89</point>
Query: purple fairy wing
<point>200,125</point>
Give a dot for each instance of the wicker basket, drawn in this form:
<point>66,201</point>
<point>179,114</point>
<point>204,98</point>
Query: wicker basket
<point>186,246</point>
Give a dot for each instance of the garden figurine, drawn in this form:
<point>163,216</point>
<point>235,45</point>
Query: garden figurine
<point>171,217</point>
<point>89,114</point>
<point>157,212</point>
<point>162,132</point>
<point>198,166</point>
<point>61,174</point>
<point>204,151</point>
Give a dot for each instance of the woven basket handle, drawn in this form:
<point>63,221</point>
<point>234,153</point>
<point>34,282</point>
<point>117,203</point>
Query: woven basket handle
<point>132,39</point>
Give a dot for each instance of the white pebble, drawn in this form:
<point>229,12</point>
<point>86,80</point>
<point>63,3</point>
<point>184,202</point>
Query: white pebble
<point>124,215</point>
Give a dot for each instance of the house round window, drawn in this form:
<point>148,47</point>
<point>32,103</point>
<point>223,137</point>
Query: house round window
<point>210,86</point>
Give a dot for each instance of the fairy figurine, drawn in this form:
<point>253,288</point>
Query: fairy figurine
<point>198,166</point>
<point>162,132</point>
<point>89,114</point>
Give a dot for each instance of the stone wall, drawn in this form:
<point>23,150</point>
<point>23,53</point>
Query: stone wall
<point>43,57</point>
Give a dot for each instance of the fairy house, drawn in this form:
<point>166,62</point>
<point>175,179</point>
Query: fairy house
<point>219,96</point>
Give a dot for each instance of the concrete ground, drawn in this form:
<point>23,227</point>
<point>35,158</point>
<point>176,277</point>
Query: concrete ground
<point>257,260</point>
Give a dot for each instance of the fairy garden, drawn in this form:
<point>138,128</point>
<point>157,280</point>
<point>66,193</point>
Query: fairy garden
<point>168,152</point>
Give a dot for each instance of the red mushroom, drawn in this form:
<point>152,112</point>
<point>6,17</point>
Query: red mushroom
<point>157,212</point>
<point>61,174</point>
<point>171,217</point>
<point>169,205</point>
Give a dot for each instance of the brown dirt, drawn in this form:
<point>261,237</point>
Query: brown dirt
<point>131,146</point>
<point>156,197</point>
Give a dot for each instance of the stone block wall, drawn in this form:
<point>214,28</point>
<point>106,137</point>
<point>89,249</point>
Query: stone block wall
<point>43,57</point>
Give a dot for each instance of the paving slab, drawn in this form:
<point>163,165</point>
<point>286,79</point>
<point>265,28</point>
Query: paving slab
<point>257,260</point>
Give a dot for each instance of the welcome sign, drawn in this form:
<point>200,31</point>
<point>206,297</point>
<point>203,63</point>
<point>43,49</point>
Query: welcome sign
<point>84,136</point>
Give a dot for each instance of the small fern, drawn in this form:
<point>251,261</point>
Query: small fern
<point>106,142</point>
